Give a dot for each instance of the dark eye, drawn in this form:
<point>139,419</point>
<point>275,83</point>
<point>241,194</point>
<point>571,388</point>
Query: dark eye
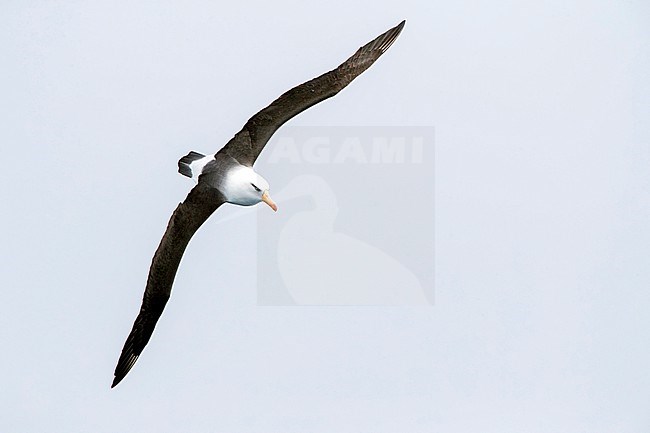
<point>256,188</point>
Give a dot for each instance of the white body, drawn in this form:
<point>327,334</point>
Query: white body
<point>238,183</point>
<point>243,186</point>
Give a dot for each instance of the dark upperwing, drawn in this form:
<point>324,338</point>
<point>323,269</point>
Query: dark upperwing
<point>200,203</point>
<point>248,143</point>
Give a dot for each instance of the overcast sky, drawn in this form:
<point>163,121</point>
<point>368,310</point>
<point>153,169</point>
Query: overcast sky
<point>538,319</point>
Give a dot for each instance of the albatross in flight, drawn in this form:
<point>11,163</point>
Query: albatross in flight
<point>228,177</point>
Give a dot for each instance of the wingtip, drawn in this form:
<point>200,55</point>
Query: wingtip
<point>398,28</point>
<point>125,363</point>
<point>116,380</point>
<point>384,41</point>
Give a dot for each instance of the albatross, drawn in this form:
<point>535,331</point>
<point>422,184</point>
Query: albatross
<point>228,177</point>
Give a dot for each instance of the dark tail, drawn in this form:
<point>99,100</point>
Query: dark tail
<point>184,163</point>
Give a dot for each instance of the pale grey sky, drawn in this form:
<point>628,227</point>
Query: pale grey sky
<point>542,269</point>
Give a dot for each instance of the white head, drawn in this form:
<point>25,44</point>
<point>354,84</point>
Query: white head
<point>243,186</point>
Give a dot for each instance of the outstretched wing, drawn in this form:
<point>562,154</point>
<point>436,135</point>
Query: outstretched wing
<point>200,203</point>
<point>248,143</point>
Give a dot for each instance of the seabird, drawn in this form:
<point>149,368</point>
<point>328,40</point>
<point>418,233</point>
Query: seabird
<point>228,177</point>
